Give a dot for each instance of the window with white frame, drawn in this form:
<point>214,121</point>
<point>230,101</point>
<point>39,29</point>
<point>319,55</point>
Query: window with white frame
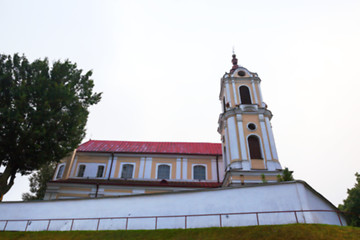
<point>199,172</point>
<point>163,171</point>
<point>100,171</point>
<point>81,170</point>
<point>60,171</point>
<point>127,171</point>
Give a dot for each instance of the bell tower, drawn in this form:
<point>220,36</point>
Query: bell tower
<point>249,150</point>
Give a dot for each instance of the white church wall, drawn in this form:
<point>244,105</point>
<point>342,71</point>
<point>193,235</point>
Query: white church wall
<point>314,202</point>
<point>140,211</point>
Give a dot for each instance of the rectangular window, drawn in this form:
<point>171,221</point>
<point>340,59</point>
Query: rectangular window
<point>199,172</point>
<point>127,171</point>
<point>163,172</point>
<point>60,172</point>
<point>81,171</point>
<point>100,171</point>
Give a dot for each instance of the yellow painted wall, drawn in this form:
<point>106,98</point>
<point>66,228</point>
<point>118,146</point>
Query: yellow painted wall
<point>171,161</point>
<point>252,119</point>
<point>238,83</point>
<point>69,165</point>
<point>254,178</point>
<point>192,162</point>
<point>72,195</point>
<point>67,161</point>
<point>120,160</point>
<point>257,164</point>
<point>91,159</point>
<point>272,178</point>
<point>247,83</point>
<point>83,159</point>
<point>79,189</point>
<point>246,119</point>
<point>155,191</point>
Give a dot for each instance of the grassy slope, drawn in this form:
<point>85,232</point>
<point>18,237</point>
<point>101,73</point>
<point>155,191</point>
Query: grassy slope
<point>278,232</point>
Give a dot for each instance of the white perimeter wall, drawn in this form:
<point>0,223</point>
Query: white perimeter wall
<point>277,197</point>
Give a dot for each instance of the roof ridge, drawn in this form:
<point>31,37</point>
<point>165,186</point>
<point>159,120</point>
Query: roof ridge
<point>131,141</point>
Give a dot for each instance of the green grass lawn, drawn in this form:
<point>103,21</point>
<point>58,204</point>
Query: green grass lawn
<point>270,232</point>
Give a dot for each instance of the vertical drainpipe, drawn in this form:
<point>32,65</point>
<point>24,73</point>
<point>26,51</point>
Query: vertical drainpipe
<point>97,190</point>
<point>112,160</point>
<point>217,168</point>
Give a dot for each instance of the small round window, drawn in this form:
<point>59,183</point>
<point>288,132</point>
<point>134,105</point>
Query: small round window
<point>241,73</point>
<point>251,126</point>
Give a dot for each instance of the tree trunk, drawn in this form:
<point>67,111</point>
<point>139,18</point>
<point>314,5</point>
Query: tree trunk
<point>7,179</point>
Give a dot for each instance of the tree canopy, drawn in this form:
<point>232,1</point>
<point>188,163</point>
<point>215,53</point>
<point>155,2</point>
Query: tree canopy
<point>286,176</point>
<point>38,181</point>
<point>43,113</point>
<point>352,204</point>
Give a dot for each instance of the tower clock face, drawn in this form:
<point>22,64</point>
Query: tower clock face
<point>241,73</point>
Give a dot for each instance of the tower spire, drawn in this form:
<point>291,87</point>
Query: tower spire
<point>234,62</point>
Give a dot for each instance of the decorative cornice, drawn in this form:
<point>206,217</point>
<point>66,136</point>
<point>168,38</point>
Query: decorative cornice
<point>237,79</point>
<point>239,111</point>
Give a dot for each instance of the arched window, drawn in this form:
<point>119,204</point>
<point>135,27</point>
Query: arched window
<point>245,95</point>
<point>254,147</point>
<point>100,171</point>
<point>81,171</point>
<point>127,171</point>
<point>199,172</point>
<point>60,172</point>
<point>163,172</point>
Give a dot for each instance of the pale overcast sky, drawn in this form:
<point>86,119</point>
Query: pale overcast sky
<point>159,64</point>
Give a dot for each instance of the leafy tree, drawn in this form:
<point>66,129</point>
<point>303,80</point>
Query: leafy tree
<point>38,181</point>
<point>286,176</point>
<point>352,204</point>
<point>43,113</point>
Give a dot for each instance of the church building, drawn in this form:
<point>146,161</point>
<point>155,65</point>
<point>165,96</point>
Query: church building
<point>246,154</point>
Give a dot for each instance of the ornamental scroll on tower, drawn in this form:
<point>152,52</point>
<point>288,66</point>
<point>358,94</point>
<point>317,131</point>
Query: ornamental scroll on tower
<point>249,150</point>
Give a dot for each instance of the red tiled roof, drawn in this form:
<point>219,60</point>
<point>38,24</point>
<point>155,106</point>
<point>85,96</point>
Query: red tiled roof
<point>142,183</point>
<point>151,147</point>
